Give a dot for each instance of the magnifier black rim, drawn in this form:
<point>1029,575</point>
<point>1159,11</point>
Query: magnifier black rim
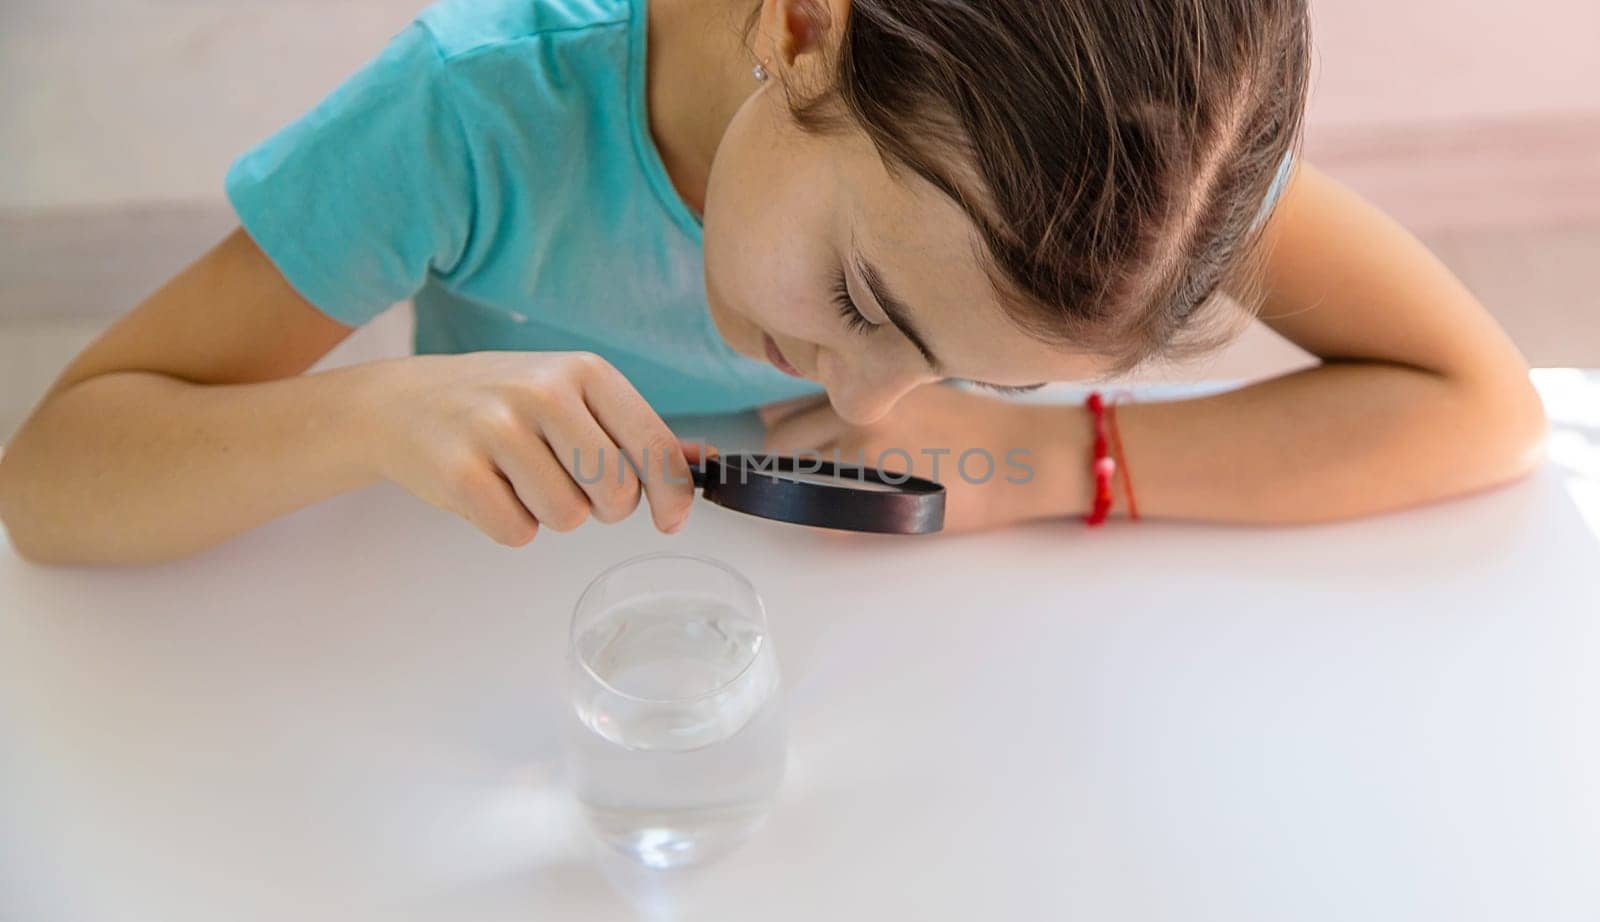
<point>911,505</point>
<point>789,464</point>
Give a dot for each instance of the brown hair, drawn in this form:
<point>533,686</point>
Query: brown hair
<point>1114,155</point>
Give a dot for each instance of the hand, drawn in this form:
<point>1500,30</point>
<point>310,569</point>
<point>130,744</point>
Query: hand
<point>1022,461</point>
<point>515,441</point>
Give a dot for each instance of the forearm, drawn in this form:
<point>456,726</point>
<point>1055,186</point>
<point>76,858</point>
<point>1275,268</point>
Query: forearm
<point>133,467</point>
<point>1337,441</point>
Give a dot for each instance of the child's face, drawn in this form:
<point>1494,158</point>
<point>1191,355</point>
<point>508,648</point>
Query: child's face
<point>787,213</point>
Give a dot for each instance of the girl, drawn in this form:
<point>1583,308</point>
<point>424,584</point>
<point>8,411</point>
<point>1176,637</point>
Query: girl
<point>608,210</point>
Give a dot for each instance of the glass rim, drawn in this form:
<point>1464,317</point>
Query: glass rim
<point>740,578</point>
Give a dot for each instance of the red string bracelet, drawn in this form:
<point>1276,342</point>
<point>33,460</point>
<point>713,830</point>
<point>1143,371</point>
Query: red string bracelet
<point>1124,474</point>
<point>1104,467</point>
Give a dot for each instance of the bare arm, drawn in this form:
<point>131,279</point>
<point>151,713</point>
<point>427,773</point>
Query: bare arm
<point>185,422</point>
<point>1420,395</point>
<point>190,421</point>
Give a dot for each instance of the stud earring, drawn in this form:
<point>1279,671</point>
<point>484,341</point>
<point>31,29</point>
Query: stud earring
<point>760,72</point>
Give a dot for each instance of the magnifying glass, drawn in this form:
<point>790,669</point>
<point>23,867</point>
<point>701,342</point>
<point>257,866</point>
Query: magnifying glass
<point>809,491</point>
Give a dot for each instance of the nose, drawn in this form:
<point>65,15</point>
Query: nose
<point>862,400</point>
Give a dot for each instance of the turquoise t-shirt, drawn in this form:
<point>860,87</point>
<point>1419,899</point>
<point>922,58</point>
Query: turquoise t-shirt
<point>495,165</point>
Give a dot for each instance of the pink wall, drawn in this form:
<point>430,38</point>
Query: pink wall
<point>183,85</point>
<point>1387,61</point>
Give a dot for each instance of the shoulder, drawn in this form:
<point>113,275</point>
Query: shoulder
<point>463,28</point>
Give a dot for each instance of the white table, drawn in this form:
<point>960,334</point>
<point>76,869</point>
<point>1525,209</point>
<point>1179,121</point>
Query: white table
<point>352,714</point>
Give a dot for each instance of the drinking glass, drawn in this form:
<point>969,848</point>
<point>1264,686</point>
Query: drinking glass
<point>676,741</point>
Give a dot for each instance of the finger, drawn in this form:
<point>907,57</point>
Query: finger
<point>807,430</point>
<point>696,451</point>
<point>638,430</point>
<point>486,499</point>
<point>774,412</point>
<point>545,488</point>
<point>594,461</point>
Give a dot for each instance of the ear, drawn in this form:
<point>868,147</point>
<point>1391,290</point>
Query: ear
<point>798,28</point>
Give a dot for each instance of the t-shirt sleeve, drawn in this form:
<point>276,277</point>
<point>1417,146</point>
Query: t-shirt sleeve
<point>359,199</point>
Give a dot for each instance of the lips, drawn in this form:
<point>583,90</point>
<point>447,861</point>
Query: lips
<point>775,356</point>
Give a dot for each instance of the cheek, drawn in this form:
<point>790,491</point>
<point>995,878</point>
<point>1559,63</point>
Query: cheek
<point>768,227</point>
<point>783,293</point>
<point>752,277</point>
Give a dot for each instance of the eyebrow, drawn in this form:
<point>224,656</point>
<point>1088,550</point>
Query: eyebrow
<point>899,315</point>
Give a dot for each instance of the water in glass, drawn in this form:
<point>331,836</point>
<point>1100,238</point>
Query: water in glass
<point>678,732</point>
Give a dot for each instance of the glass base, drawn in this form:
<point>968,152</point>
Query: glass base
<point>662,840</point>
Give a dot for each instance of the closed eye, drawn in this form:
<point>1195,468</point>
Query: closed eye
<point>854,320</point>
<point>857,322</point>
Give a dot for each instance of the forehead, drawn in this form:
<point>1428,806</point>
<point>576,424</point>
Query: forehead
<point>927,250</point>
